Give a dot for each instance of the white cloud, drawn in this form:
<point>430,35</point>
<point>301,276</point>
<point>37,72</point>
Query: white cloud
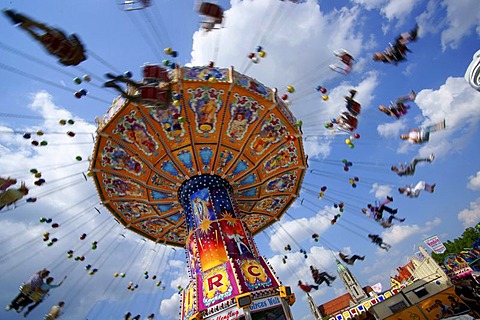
<point>391,9</point>
<point>398,9</point>
<point>246,20</point>
<point>20,155</point>
<point>474,182</point>
<point>314,148</point>
<point>321,146</point>
<point>459,22</point>
<point>427,21</point>
<point>169,308</point>
<point>298,229</point>
<point>471,216</point>
<point>381,191</point>
<point>409,69</point>
<point>456,102</point>
<point>370,4</point>
<point>298,268</point>
<point>462,17</point>
<point>398,233</point>
<point>391,129</point>
<point>69,200</point>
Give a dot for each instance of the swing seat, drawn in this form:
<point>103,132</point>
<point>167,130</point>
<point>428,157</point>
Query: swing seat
<point>348,123</point>
<point>211,10</point>
<point>339,69</point>
<point>207,25</point>
<point>31,294</point>
<point>155,72</point>
<point>334,67</point>
<point>154,94</point>
<point>131,5</point>
<point>356,107</point>
<point>340,52</point>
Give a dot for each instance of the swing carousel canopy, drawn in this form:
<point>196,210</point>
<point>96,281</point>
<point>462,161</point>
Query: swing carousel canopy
<point>218,122</point>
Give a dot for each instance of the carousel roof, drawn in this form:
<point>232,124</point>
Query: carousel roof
<point>217,122</point>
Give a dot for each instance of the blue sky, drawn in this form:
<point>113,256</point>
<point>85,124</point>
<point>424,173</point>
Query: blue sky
<point>299,40</point>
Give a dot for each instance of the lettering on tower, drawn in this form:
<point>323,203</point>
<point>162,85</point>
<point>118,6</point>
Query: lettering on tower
<point>216,285</point>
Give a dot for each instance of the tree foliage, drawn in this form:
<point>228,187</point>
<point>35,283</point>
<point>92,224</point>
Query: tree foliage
<point>469,236</point>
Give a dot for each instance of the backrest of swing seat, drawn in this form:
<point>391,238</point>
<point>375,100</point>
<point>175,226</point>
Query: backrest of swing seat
<point>154,93</point>
<point>156,72</point>
<point>352,124</point>
<point>66,51</point>
<point>346,127</point>
<point>33,295</point>
<point>25,289</point>
<point>131,5</point>
<point>356,106</point>
<point>346,58</point>
<point>211,10</point>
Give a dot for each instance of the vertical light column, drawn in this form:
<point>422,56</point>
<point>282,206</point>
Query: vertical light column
<point>222,259</point>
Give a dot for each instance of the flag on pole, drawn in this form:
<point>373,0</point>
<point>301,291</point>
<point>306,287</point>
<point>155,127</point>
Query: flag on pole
<point>435,244</point>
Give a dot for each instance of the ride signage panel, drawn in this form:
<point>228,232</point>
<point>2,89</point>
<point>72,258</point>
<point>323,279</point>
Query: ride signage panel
<point>264,304</point>
<point>254,274</point>
<point>217,284</point>
<point>256,306</point>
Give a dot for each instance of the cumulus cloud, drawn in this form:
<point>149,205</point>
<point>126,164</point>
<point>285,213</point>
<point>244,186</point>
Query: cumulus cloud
<point>462,17</point>
<point>319,257</point>
<point>169,308</point>
<point>317,148</point>
<point>456,102</point>
<point>398,9</point>
<point>19,154</point>
<point>460,20</point>
<point>69,200</point>
<point>320,146</point>
<point>381,191</point>
<point>399,233</point>
<point>428,21</point>
<point>474,182</point>
<point>471,216</point>
<point>297,230</point>
<point>390,9</point>
<point>246,20</point>
<point>391,129</point>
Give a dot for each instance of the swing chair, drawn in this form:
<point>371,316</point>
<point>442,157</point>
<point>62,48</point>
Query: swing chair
<point>132,5</point>
<point>213,14</point>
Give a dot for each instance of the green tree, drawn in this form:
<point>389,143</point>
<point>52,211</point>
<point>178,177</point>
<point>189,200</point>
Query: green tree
<point>469,236</point>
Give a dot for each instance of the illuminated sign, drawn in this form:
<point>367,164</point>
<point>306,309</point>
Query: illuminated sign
<point>266,303</point>
<point>228,314</point>
<point>257,305</point>
<point>216,285</point>
<point>456,266</point>
<point>254,274</point>
<point>189,300</point>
